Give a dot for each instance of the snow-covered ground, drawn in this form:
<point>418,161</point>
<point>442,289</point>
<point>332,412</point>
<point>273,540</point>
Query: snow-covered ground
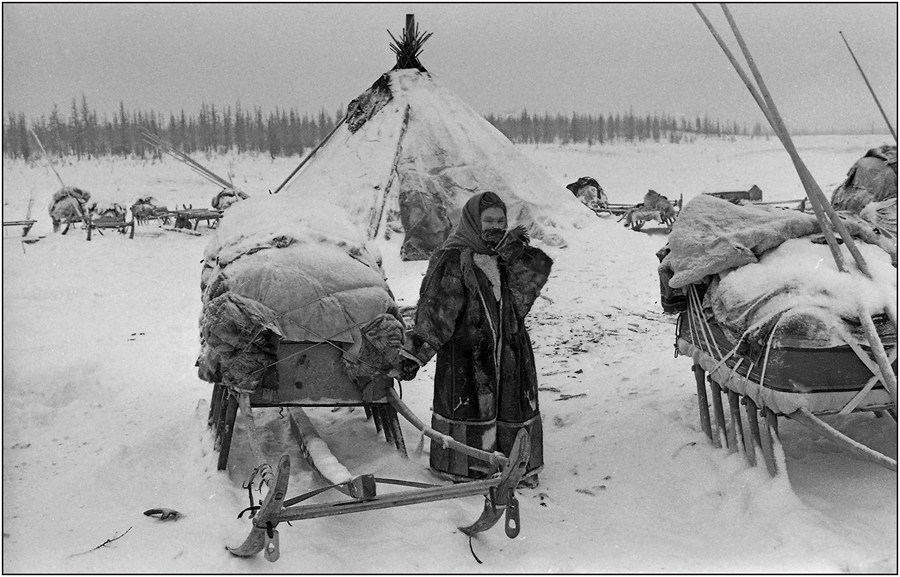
<point>104,416</point>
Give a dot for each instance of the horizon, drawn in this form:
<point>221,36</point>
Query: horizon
<point>588,58</point>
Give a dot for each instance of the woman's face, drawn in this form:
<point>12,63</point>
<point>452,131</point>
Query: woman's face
<point>493,224</point>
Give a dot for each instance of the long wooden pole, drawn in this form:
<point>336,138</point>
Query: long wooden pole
<point>812,188</point>
<point>872,92</point>
<point>817,209</point>
<point>47,158</point>
<point>310,155</point>
<point>448,441</point>
<point>64,187</point>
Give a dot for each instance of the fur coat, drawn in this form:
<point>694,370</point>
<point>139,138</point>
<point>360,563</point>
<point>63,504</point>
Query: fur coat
<point>485,387</point>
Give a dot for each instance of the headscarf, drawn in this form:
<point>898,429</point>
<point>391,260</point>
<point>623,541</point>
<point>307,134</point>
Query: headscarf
<point>467,233</point>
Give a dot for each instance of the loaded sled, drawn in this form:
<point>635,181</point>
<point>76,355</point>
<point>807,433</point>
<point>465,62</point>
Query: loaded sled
<point>771,326</point>
<point>296,317</point>
<point>802,383</point>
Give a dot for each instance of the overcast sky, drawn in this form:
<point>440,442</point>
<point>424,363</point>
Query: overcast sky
<point>501,58</point>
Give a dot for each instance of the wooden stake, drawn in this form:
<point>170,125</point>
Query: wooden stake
<point>772,430</point>
<point>702,400</point>
<point>736,425</point>
<point>722,437</point>
<point>227,430</point>
<point>753,422</point>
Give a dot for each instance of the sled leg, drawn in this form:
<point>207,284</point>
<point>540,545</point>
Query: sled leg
<point>227,431</point>
<point>772,430</point>
<point>722,437</point>
<point>376,417</point>
<point>394,424</point>
<point>702,400</point>
<point>385,423</point>
<point>736,425</point>
<point>219,422</point>
<point>215,403</point>
<point>753,422</point>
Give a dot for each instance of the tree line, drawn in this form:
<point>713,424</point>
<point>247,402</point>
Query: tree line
<point>285,132</point>
<point>586,128</point>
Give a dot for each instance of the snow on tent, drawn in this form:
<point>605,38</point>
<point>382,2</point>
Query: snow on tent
<point>407,156</point>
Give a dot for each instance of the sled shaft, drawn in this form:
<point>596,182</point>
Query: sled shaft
<point>398,499</point>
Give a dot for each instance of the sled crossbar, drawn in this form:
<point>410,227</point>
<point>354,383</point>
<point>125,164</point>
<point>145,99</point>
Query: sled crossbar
<point>397,499</point>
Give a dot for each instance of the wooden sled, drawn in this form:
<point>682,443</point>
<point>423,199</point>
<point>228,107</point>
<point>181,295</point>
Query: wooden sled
<point>831,381</point>
<point>117,223</point>
<point>25,224</point>
<point>755,196</point>
<point>189,218</point>
<point>310,375</point>
<point>635,216</point>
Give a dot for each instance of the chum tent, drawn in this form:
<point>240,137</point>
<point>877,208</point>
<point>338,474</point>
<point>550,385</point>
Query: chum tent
<point>408,155</point>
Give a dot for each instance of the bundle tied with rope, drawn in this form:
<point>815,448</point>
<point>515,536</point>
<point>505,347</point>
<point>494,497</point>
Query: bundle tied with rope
<point>299,287</point>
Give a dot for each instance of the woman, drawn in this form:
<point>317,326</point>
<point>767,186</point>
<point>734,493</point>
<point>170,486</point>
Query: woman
<point>472,304</point>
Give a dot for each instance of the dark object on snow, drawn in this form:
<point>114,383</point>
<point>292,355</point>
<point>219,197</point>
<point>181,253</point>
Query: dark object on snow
<point>873,178</point>
<point>590,193</point>
<point>164,514</point>
<point>68,205</point>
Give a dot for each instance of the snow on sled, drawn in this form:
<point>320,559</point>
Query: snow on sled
<point>297,314</point>
<point>770,322</point>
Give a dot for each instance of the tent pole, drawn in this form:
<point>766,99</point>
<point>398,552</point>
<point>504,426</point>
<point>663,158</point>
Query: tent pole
<point>310,155</point>
<point>812,188</point>
<point>877,102</point>
<point>817,209</point>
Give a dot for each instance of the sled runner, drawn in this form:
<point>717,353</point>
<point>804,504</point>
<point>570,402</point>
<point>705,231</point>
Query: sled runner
<point>309,374</point>
<point>25,224</point>
<point>785,379</point>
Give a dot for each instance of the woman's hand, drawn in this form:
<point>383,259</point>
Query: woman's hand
<point>513,243</point>
<point>407,369</point>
